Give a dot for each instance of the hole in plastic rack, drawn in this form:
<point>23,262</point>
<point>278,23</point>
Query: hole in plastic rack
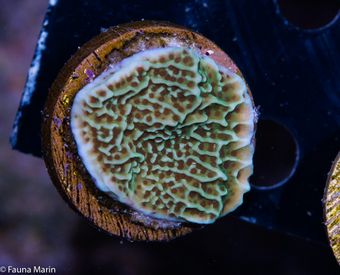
<point>309,15</point>
<point>276,155</point>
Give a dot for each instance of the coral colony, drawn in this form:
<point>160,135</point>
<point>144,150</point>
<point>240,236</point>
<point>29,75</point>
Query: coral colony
<point>169,133</point>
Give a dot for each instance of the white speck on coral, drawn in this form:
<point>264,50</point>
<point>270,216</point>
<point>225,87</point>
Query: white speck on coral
<point>174,42</point>
<point>209,52</point>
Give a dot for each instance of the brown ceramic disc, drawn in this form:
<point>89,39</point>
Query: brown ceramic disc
<point>332,207</point>
<point>59,149</point>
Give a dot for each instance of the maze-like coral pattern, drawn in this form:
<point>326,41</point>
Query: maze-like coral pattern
<point>169,133</point>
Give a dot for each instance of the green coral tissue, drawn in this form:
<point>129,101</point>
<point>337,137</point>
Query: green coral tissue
<point>169,133</point>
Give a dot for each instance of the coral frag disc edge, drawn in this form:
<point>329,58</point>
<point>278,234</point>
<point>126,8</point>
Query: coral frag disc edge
<point>332,207</point>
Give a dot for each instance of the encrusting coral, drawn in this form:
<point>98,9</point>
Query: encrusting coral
<point>169,133</point>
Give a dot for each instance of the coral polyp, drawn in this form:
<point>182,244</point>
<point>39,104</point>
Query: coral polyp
<point>169,133</point>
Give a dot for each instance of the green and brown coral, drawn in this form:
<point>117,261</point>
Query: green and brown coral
<point>168,132</point>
